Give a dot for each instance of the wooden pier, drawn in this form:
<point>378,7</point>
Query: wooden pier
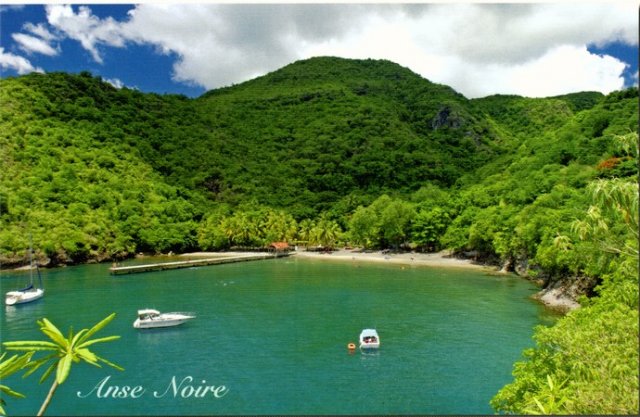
<point>162,266</point>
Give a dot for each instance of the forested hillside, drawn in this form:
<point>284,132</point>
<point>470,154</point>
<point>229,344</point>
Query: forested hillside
<point>332,152</point>
<point>95,173</point>
<point>102,172</point>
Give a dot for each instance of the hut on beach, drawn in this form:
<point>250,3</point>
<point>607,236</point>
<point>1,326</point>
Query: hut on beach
<point>279,247</point>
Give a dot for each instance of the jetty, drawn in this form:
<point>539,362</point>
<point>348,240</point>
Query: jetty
<point>162,266</point>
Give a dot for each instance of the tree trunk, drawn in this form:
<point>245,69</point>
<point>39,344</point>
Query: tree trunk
<point>47,400</point>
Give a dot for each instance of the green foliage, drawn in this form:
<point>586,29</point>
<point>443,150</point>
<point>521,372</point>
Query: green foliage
<point>64,351</point>
<point>8,367</point>
<point>428,225</point>
<point>551,399</point>
<point>325,233</point>
<point>593,350</point>
<point>395,222</point>
<point>326,151</point>
<point>249,227</point>
<point>323,128</point>
<point>457,235</point>
<point>97,173</point>
<point>363,227</point>
<point>81,188</point>
<point>386,222</point>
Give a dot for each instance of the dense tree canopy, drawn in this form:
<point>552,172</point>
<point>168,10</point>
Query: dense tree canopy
<point>94,172</point>
<point>588,362</point>
<point>331,152</point>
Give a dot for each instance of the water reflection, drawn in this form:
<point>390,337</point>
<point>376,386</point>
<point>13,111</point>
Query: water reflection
<point>275,332</point>
<point>24,316</point>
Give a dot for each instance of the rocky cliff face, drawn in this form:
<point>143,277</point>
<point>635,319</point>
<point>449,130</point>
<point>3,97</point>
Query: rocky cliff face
<point>562,294</point>
<point>447,117</point>
<point>565,293</point>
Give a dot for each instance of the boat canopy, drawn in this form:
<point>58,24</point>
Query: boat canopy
<point>368,333</point>
<point>149,311</point>
<point>27,288</point>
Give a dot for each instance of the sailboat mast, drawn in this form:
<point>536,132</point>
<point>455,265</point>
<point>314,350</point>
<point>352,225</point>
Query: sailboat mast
<point>31,263</point>
<point>39,276</point>
<point>30,259</point>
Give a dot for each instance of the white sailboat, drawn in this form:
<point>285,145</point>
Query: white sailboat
<point>29,293</point>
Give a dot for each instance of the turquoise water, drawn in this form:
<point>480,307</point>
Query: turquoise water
<point>275,333</point>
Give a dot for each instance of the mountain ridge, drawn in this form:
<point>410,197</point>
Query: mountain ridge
<point>323,135</point>
<point>331,152</point>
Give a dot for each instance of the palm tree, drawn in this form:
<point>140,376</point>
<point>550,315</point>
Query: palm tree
<point>7,368</point>
<point>326,232</point>
<point>279,226</point>
<point>228,227</point>
<point>304,231</point>
<point>248,229</point>
<point>65,351</point>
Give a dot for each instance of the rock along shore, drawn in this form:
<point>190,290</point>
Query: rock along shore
<point>557,296</point>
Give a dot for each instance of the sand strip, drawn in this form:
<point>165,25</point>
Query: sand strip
<point>440,259</point>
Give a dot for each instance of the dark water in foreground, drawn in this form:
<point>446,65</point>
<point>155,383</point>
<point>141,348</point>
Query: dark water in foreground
<point>274,334</point>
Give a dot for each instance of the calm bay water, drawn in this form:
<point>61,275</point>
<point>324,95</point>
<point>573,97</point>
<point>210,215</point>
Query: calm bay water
<point>275,332</point>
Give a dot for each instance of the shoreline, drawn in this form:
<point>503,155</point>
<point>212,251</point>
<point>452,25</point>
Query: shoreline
<point>435,259</point>
<point>439,259</point>
<point>555,297</point>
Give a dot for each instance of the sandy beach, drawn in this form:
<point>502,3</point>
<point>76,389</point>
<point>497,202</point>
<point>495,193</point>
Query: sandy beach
<point>440,259</point>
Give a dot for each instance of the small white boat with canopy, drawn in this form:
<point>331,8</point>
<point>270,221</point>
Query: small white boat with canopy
<point>149,318</point>
<point>30,292</point>
<point>369,339</point>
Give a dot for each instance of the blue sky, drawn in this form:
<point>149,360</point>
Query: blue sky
<point>525,49</point>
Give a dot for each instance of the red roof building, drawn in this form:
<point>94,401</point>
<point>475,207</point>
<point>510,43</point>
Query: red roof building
<point>279,246</point>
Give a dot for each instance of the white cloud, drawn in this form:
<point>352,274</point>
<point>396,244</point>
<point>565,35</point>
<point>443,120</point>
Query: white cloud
<point>21,65</point>
<point>85,28</point>
<point>32,44</point>
<point>483,50</point>
<point>561,70</point>
<point>517,33</point>
<point>40,31</point>
<point>567,68</point>
<point>532,50</point>
<point>527,49</point>
<point>223,44</point>
<point>117,83</point>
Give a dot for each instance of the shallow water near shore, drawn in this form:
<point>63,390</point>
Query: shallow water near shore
<point>274,333</point>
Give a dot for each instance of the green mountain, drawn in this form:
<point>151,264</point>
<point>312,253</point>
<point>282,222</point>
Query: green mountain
<point>332,151</point>
<point>316,131</point>
<point>95,172</point>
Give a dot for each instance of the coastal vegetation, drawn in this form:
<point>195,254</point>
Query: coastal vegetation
<point>327,152</point>
<point>63,353</point>
<point>8,367</point>
<point>98,173</point>
<point>587,363</point>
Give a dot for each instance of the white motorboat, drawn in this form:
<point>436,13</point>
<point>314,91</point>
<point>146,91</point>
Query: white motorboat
<point>149,319</point>
<point>30,292</point>
<point>369,339</point>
